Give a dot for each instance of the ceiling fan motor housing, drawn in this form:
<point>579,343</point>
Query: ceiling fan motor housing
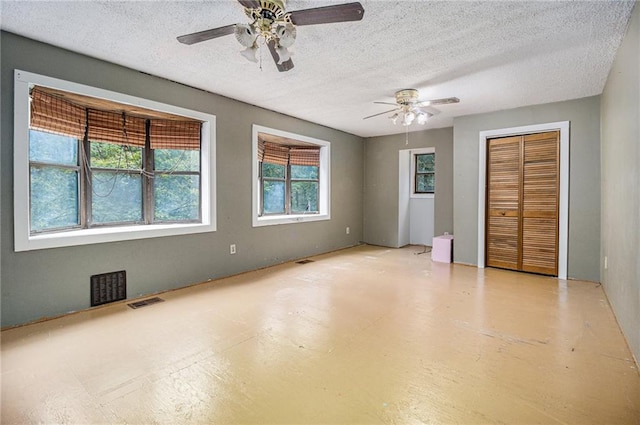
<point>407,96</point>
<point>265,17</point>
<point>271,10</point>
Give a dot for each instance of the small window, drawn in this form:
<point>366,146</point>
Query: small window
<point>292,178</point>
<point>55,178</point>
<point>304,189</point>
<point>425,173</point>
<point>289,178</point>
<point>274,183</point>
<point>176,185</point>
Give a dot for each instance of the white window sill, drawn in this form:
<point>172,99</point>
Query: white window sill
<point>288,219</point>
<point>107,234</point>
<point>422,195</point>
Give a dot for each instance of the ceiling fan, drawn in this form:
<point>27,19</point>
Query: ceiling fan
<point>408,108</point>
<point>272,25</point>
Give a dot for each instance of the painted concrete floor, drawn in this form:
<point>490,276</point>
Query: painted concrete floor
<point>365,335</point>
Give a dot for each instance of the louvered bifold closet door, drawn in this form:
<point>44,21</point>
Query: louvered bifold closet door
<point>503,202</point>
<point>540,203</point>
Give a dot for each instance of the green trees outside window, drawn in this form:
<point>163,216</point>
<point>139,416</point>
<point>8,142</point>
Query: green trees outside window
<point>289,189</point>
<point>81,185</point>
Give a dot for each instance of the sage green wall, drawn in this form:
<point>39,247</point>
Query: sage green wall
<point>49,282</point>
<point>620,108</point>
<point>381,183</point>
<point>584,178</point>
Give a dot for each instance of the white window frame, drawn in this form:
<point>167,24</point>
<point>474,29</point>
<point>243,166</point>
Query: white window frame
<point>414,153</point>
<point>24,241</point>
<point>324,195</point>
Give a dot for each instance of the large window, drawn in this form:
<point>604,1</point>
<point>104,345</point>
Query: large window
<point>101,170</point>
<point>292,178</point>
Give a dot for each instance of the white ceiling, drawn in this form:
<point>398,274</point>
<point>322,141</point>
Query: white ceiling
<point>492,55</point>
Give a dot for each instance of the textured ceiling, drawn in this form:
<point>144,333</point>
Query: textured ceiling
<point>491,55</point>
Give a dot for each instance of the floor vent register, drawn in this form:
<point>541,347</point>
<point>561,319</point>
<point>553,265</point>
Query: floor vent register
<point>144,303</point>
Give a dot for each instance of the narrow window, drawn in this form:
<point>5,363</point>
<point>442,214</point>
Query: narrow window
<point>425,173</point>
<point>305,180</point>
<point>175,155</point>
<point>54,181</point>
<point>114,162</point>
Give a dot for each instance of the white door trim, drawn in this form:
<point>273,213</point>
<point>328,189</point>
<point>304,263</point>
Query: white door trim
<point>563,235</point>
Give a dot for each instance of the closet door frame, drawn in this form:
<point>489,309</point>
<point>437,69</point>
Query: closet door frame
<point>563,225</point>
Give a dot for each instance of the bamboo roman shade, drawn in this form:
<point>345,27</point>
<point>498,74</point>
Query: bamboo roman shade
<point>116,128</point>
<point>53,114</point>
<point>275,153</point>
<point>304,156</point>
<point>168,134</point>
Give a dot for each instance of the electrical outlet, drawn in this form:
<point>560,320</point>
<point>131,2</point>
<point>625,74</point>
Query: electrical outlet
<point>232,249</point>
<point>348,230</point>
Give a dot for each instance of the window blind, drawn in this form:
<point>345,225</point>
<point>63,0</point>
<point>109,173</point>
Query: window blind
<point>276,154</point>
<point>304,156</point>
<point>54,115</point>
<point>169,134</point>
<point>116,128</point>
<point>283,155</point>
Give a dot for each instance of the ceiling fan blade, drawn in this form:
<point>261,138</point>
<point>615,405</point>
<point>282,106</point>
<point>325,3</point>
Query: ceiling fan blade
<point>284,66</point>
<point>381,113</point>
<point>430,110</point>
<point>205,35</point>
<point>328,14</point>
<point>386,103</point>
<point>445,101</point>
<point>250,4</point>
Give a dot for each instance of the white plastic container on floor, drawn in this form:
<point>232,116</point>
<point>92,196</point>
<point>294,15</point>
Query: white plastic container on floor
<point>442,249</point>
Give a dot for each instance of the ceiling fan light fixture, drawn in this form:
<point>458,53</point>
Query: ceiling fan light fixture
<point>245,34</point>
<point>283,53</point>
<point>286,35</point>
<point>408,118</point>
<point>409,108</point>
<point>250,53</point>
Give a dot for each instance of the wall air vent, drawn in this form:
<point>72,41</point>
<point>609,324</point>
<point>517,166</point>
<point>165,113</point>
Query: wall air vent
<point>108,287</point>
<point>144,303</point>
